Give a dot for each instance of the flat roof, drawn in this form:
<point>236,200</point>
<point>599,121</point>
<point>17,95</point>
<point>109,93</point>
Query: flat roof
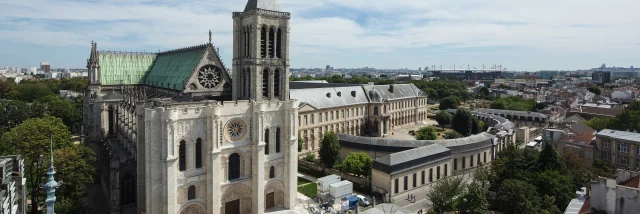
<point>623,135</point>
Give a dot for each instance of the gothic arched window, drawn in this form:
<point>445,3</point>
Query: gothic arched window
<point>276,83</point>
<point>278,140</point>
<point>279,43</point>
<point>198,153</point>
<point>191,193</point>
<point>234,166</point>
<point>271,44</point>
<point>272,172</point>
<point>266,141</point>
<point>265,83</point>
<point>182,155</point>
<point>263,42</point>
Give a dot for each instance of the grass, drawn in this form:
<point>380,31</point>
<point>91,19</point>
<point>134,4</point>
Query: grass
<point>303,181</point>
<point>310,189</point>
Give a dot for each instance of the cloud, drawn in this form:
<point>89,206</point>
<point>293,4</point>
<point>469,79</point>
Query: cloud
<point>335,28</point>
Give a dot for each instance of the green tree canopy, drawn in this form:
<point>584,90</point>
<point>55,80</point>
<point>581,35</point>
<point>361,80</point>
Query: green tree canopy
<point>431,94</point>
<point>443,194</point>
<point>462,122</point>
<point>426,133</point>
<point>477,126</point>
<point>516,196</point>
<point>595,89</point>
<point>452,135</point>
<point>549,159</point>
<point>514,103</point>
<point>329,149</point>
<point>556,184</point>
<point>474,200</point>
<point>31,92</point>
<point>13,113</point>
<point>68,111</point>
<point>450,102</point>
<point>358,163</point>
<point>600,123</point>
<point>444,118</point>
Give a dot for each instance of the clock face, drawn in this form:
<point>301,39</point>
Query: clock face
<point>209,76</point>
<point>236,129</point>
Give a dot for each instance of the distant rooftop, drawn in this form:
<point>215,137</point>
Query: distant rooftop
<point>622,135</point>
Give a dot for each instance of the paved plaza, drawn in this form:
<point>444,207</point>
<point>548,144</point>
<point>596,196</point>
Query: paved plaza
<point>402,133</point>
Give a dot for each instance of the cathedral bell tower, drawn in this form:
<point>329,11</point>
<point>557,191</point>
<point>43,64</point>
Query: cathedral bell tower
<point>261,52</point>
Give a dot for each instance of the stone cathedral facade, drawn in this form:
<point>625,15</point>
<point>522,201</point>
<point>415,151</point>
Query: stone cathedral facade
<point>175,132</point>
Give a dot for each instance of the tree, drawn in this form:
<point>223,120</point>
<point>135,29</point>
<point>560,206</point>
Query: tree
<point>450,102</point>
<point>300,143</point>
<point>604,168</point>
<point>452,135</point>
<point>580,171</point>
<point>515,196</point>
<point>474,200</point>
<point>443,194</point>
<point>431,94</point>
<point>31,139</point>
<point>477,126</point>
<point>329,149</point>
<point>444,118</point>
<point>600,123</point>
<point>549,205</point>
<point>462,122</point>
<point>426,133</point>
<point>72,167</point>
<point>32,92</point>
<point>13,113</point>
<point>555,184</point>
<point>6,86</point>
<point>549,159</point>
<point>66,110</point>
<point>358,163</point>
<point>482,175</point>
<point>595,89</point>
<point>483,92</point>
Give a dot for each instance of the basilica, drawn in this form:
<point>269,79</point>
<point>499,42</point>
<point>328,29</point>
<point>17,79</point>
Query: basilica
<point>178,132</point>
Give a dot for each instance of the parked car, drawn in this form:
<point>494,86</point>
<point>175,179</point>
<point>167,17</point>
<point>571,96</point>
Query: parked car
<point>363,200</point>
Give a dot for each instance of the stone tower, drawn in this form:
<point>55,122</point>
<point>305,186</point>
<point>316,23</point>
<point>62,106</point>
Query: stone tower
<point>261,52</point>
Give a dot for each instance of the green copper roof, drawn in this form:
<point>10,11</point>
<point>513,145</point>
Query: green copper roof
<point>127,67</point>
<point>172,69</point>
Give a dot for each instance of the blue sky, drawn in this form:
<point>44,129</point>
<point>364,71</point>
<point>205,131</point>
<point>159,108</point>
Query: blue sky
<point>519,35</point>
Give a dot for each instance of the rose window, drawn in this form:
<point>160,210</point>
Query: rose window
<point>209,76</point>
<point>236,129</point>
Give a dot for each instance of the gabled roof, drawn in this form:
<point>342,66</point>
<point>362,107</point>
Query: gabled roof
<point>633,183</point>
<point>273,5</point>
<point>126,68</point>
<point>328,97</point>
<point>381,93</point>
<point>172,69</point>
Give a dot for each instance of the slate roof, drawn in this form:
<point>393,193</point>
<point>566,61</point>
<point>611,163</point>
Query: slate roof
<point>511,112</point>
<point>623,135</point>
<point>412,158</point>
<point>610,112</point>
<point>395,145</point>
<point>581,139</point>
<point>578,127</point>
<point>380,93</point>
<point>273,5</point>
<point>172,69</point>
<point>317,97</point>
<point>123,67</point>
<point>110,97</point>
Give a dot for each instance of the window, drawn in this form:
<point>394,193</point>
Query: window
<point>332,115</point>
<point>471,161</point>
<point>455,164</point>
<point>606,144</point>
<point>605,156</point>
<point>312,119</point>
<point>320,117</point>
<point>479,159</point>
<point>299,121</point>
<point>485,157</point>
<point>199,153</point>
<point>271,39</point>
<point>183,156</point>
<point>278,140</point>
<point>581,154</point>
<point>278,44</point>
<point>348,113</point>
<point>263,42</point>
<point>438,173</point>
<point>415,179</point>
<point>272,172</point>
<point>396,186</point>
<point>623,147</point>
<point>276,83</point>
<point>357,111</point>
<point>623,160</point>
<point>266,141</point>
<point>637,150</point>
<point>422,177</point>
<point>234,166</point>
<point>305,120</point>
<point>326,116</point>
<point>464,162</point>
<point>446,169</point>
<point>406,182</point>
<point>191,193</point>
<point>265,83</point>
<point>430,175</point>
<point>375,110</point>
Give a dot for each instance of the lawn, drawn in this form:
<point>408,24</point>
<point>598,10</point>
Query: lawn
<point>310,189</point>
<point>303,181</point>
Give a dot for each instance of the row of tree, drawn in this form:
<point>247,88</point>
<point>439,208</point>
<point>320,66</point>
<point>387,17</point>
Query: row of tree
<point>517,104</point>
<point>357,163</point>
<point>629,119</point>
<point>463,122</point>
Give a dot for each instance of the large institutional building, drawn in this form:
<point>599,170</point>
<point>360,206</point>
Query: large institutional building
<point>177,132</point>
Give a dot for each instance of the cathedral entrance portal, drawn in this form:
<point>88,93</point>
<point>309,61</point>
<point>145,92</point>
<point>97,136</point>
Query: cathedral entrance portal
<point>270,200</point>
<point>232,207</point>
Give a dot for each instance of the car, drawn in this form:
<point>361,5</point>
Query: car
<point>363,200</point>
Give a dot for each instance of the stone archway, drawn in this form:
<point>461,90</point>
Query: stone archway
<point>274,194</point>
<point>193,208</point>
<point>236,199</point>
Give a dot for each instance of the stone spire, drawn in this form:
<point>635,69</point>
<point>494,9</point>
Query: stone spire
<point>51,185</point>
<point>273,5</point>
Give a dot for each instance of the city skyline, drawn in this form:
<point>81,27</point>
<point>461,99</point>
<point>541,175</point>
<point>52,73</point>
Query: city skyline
<point>345,34</point>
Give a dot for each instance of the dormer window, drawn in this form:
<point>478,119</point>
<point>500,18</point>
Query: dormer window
<point>329,95</point>
<point>339,94</point>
